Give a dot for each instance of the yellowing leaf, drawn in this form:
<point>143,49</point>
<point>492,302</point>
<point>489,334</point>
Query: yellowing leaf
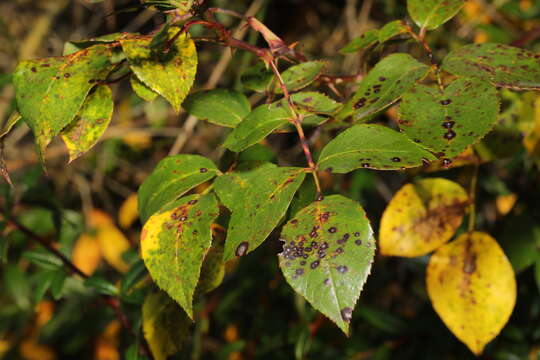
<point>86,254</point>
<point>128,212</point>
<point>421,217</point>
<point>165,325</point>
<point>107,343</point>
<point>472,287</point>
<point>30,349</point>
<point>505,203</point>
<point>45,310</point>
<point>111,240</point>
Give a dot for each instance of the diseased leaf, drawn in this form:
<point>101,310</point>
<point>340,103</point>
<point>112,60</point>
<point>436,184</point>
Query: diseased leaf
<point>421,217</point>
<point>71,47</point>
<point>174,242</point>
<point>501,65</point>
<point>172,177</point>
<point>327,254</point>
<point>450,121</point>
<point>142,91</point>
<point>258,200</point>
<point>367,39</point>
<point>391,30</point>
<point>90,123</point>
<point>299,76</point>
<point>472,287</point>
<point>51,91</point>
<point>257,125</point>
<point>373,147</point>
<point>170,73</point>
<point>219,106</point>
<point>315,102</point>
<point>165,325</point>
<point>430,14</point>
<point>384,85</point>
<point>257,78</point>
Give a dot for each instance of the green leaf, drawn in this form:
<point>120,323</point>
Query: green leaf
<point>258,200</point>
<point>327,254</point>
<point>384,85</point>
<point>135,273</point>
<point>43,259</point>
<point>212,271</point>
<point>448,122</point>
<point>258,124</point>
<point>257,78</point>
<point>91,122</point>
<point>219,106</point>
<point>172,177</point>
<point>174,242</point>
<point>430,14</point>
<point>71,47</point>
<point>142,91</point>
<point>169,73</point>
<point>43,283</point>
<point>520,239</point>
<point>373,147</point>
<point>501,65</point>
<point>299,76</point>
<point>537,273</point>
<point>10,122</point>
<point>58,279</point>
<point>315,102</point>
<point>367,39</point>
<point>51,91</point>
<point>392,29</point>
<point>165,325</point>
<point>16,285</point>
<point>101,285</point>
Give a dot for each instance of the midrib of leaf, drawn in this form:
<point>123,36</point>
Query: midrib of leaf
<point>280,186</point>
<point>432,13</point>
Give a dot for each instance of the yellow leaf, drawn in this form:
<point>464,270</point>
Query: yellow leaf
<point>128,212</point>
<point>421,217</point>
<point>30,349</point>
<point>86,254</point>
<point>107,342</point>
<point>5,346</point>
<point>472,287</point>
<point>505,203</point>
<point>45,311</point>
<point>111,240</point>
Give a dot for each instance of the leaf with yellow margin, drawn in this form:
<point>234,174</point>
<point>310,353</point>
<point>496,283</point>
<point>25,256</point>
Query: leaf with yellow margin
<point>112,241</point>
<point>174,242</point>
<point>86,253</point>
<point>128,212</point>
<point>472,287</point>
<point>165,325</point>
<point>421,217</point>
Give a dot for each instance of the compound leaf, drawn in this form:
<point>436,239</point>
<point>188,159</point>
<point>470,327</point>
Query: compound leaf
<point>472,287</point>
<point>172,177</point>
<point>219,106</point>
<point>373,147</point>
<point>448,122</point>
<point>174,242</point>
<point>258,200</point>
<point>421,217</point>
<point>501,65</point>
<point>327,254</point>
<point>91,122</point>
<point>384,85</point>
<point>51,91</point>
<point>430,14</point>
<point>169,73</point>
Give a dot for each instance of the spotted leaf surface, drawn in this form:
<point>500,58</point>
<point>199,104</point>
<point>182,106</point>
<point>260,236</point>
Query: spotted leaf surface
<point>91,122</point>
<point>501,65</point>
<point>174,242</point>
<point>299,76</point>
<point>384,85</point>
<point>313,102</point>
<point>165,325</point>
<point>257,125</point>
<point>367,39</point>
<point>449,121</point>
<point>142,91</point>
<point>327,254</point>
<point>51,91</point>
<point>430,14</point>
<point>172,177</point>
<point>171,73</point>
<point>373,147</point>
<point>472,287</point>
<point>421,217</point>
<point>258,201</point>
<point>391,30</point>
<point>219,106</point>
